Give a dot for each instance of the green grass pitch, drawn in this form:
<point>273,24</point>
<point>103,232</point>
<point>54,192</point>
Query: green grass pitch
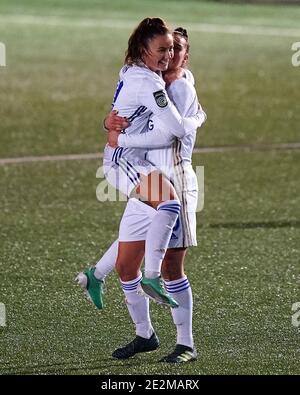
<point>63,59</point>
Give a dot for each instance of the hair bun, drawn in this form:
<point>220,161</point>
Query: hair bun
<point>181,31</point>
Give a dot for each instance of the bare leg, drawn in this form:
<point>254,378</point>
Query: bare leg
<point>129,260</point>
<point>159,193</point>
<point>173,264</point>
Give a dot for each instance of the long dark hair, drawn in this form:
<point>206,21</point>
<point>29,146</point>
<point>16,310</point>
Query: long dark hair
<point>139,39</point>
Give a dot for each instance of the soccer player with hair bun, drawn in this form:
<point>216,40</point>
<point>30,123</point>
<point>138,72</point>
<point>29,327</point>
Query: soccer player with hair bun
<point>168,151</point>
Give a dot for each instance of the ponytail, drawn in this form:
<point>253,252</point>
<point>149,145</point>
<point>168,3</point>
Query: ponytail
<point>139,40</point>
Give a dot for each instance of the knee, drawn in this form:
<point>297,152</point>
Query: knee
<point>170,271</point>
<point>125,272</point>
<point>121,269</point>
<point>166,268</point>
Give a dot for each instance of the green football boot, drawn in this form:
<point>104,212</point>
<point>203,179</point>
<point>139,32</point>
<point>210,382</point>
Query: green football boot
<point>154,289</point>
<point>92,287</point>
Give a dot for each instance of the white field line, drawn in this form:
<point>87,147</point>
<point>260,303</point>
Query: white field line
<point>204,150</point>
<point>49,158</point>
<point>126,24</point>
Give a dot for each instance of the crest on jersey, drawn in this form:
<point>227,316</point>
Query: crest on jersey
<point>160,98</point>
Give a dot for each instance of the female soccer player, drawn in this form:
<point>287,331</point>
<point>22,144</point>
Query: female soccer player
<point>140,94</point>
<point>137,218</point>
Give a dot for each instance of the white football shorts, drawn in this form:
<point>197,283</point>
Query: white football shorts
<point>123,170</point>
<point>138,216</point>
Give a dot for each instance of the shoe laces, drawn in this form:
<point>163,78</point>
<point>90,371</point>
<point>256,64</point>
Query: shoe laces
<point>104,286</point>
<point>161,283</point>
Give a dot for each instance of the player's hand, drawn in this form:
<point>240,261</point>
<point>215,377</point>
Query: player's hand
<point>114,122</point>
<point>170,76</point>
<point>112,138</point>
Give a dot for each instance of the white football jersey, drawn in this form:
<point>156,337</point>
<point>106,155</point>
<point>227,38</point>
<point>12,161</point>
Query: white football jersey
<point>179,155</point>
<point>140,94</point>
<point>173,160</point>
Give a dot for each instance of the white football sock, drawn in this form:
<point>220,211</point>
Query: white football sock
<point>138,307</point>
<point>108,261</point>
<point>158,236</point>
<point>181,291</point>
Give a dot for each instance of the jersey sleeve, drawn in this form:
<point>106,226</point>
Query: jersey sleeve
<point>196,121</point>
<point>154,96</point>
<point>151,139</point>
<point>159,136</point>
<point>183,94</point>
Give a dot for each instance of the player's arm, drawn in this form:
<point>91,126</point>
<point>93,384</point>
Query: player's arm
<point>160,104</point>
<point>185,98</point>
<point>183,94</point>
<point>114,122</point>
<point>155,138</point>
